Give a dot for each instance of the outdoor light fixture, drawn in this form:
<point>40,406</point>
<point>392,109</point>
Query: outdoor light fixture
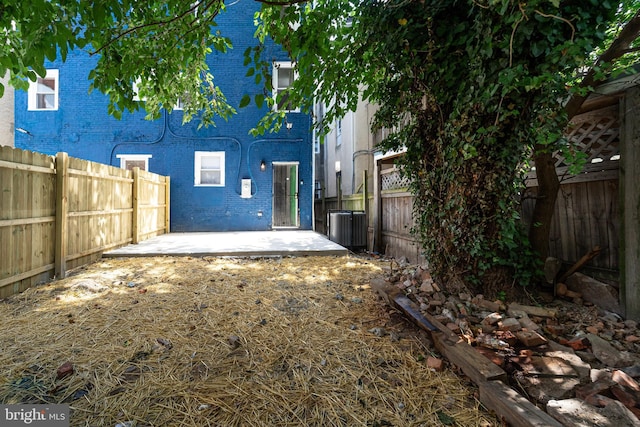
<point>263,166</point>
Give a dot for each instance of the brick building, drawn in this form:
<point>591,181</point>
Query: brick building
<point>222,178</point>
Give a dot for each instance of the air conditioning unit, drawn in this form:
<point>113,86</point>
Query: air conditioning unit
<point>348,228</point>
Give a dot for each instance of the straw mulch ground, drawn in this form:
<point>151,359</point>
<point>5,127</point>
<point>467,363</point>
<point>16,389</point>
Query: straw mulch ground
<point>225,342</point>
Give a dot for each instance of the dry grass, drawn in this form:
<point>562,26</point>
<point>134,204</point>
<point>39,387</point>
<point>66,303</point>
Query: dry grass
<point>225,342</point>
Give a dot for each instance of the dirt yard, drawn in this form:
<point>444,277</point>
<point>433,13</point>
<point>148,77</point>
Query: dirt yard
<point>225,342</point>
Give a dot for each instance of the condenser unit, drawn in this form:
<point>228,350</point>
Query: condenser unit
<point>348,228</point>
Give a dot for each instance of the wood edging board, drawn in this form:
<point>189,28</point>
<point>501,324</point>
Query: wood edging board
<point>512,407</point>
<point>495,394</point>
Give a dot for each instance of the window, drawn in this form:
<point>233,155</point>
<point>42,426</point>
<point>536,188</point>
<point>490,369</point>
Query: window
<point>339,132</point>
<point>43,93</point>
<point>283,77</point>
<point>316,141</point>
<point>130,161</point>
<point>209,168</point>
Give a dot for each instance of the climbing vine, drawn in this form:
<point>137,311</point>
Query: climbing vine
<point>470,89</point>
<point>487,81</point>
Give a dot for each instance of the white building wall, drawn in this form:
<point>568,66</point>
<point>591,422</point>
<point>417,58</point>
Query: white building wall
<point>6,114</point>
<point>354,153</point>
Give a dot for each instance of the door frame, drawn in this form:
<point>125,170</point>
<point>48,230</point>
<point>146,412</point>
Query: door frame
<point>296,199</point>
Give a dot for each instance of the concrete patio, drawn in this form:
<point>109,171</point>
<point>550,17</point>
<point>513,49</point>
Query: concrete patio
<point>234,243</point>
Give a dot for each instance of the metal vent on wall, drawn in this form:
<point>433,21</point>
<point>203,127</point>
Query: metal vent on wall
<point>348,228</point>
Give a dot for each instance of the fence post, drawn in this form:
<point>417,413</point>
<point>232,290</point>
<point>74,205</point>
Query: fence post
<point>630,204</point>
<point>339,185</point>
<point>365,191</point>
<point>62,209</point>
<point>376,246</point>
<point>167,204</point>
<point>365,203</point>
<point>135,226</point>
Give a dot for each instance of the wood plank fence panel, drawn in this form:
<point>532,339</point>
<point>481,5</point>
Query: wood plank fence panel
<point>57,213</point>
<point>27,209</point>
<point>92,216</point>
<point>152,204</point>
<point>397,222</point>
<point>586,215</point>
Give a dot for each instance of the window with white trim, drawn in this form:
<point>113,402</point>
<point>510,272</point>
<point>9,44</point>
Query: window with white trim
<point>283,76</point>
<point>339,132</point>
<point>209,169</point>
<point>130,161</point>
<point>43,93</point>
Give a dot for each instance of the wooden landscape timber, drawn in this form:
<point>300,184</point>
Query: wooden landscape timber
<point>495,394</point>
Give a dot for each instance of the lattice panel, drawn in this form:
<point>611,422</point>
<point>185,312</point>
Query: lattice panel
<point>393,180</point>
<point>597,134</point>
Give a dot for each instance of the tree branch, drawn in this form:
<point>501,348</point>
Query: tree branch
<point>156,23</point>
<point>618,48</point>
<point>281,3</point>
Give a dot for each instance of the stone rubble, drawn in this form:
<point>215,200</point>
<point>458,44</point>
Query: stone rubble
<point>577,360</point>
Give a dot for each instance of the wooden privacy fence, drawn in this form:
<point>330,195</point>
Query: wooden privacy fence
<point>587,212</point>
<point>58,213</point>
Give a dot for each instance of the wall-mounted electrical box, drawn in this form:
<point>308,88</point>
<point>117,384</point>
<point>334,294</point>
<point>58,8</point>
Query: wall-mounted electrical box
<point>245,191</point>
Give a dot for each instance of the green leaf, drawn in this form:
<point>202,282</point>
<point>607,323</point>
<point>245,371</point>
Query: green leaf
<point>250,72</point>
<point>445,419</point>
<point>259,99</point>
<point>246,99</point>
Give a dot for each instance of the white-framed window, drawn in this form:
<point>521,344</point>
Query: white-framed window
<point>339,132</point>
<point>130,161</point>
<point>283,76</point>
<point>209,169</point>
<point>43,93</point>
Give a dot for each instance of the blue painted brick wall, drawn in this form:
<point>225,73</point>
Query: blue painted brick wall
<point>82,127</point>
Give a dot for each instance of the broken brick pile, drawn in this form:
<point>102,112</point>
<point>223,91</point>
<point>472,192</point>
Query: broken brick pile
<point>576,361</point>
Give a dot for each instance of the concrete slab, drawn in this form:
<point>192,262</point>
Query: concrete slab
<point>234,243</point>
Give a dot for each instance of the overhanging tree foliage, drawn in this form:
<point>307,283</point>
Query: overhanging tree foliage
<point>472,88</point>
<point>161,46</point>
<point>618,57</point>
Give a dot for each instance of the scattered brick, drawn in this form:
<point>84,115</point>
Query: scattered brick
<point>509,324</point>
<point>632,339</point>
<point>592,329</point>
<point>530,338</point>
<point>627,398</point>
<point>435,364</point>
<point>595,388</point>
<point>623,379</point>
<point>579,343</point>
<point>64,370</point>
<point>555,330</point>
